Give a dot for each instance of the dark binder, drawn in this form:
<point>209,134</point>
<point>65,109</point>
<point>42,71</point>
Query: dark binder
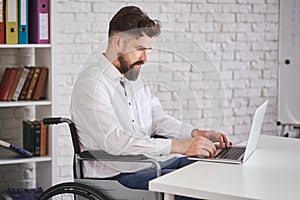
<point>39,21</point>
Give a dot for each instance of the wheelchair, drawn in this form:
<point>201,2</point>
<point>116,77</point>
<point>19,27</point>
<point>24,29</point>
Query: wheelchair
<point>96,189</point>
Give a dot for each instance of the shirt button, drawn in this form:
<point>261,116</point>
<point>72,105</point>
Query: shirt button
<point>129,103</point>
<point>133,120</point>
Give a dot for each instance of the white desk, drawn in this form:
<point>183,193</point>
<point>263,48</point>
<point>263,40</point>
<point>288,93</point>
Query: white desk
<point>272,172</point>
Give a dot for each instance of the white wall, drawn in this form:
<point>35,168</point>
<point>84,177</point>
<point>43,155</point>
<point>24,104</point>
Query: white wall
<point>240,36</point>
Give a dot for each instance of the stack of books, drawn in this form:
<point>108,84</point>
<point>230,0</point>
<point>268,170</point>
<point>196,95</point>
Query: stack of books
<point>35,137</point>
<point>35,140</point>
<point>23,83</point>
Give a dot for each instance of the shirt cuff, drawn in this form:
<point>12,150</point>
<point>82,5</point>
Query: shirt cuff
<point>163,146</point>
<point>186,131</point>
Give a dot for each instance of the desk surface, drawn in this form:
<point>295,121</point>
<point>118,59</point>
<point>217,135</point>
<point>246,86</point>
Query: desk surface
<point>272,172</point>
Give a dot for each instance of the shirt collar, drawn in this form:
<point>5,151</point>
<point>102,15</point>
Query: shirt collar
<point>109,69</point>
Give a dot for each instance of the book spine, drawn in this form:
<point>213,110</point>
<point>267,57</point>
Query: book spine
<point>20,84</point>
<point>33,83</point>
<point>6,82</point>
<point>43,139</point>
<point>28,136</point>
<point>40,83</point>
<point>26,84</point>
<point>14,84</point>
<point>37,138</point>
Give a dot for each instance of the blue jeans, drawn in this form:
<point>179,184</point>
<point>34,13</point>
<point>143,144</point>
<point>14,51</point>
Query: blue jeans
<point>140,179</point>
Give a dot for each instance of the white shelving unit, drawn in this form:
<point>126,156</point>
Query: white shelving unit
<point>19,46</point>
<point>24,103</point>
<point>38,171</point>
<point>28,55</point>
<point>9,161</point>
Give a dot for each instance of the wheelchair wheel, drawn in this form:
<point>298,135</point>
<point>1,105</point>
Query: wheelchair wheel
<point>70,191</point>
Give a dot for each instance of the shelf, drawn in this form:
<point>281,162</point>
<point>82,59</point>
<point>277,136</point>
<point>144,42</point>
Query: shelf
<point>14,160</point>
<point>13,113</point>
<point>4,104</point>
<point>15,46</point>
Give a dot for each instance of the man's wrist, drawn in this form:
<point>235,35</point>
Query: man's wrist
<point>175,146</point>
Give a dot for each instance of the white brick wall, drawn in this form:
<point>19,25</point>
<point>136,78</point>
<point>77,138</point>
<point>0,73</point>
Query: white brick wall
<point>240,36</point>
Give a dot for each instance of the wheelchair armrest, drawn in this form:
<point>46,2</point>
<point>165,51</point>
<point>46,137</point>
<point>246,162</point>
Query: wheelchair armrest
<point>104,156</point>
<point>100,155</point>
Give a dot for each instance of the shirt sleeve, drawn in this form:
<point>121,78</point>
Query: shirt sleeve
<point>92,110</point>
<point>167,125</point>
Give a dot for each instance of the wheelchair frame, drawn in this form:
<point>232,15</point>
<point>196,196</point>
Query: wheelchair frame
<point>98,189</point>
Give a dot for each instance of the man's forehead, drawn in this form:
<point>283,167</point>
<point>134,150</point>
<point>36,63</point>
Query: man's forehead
<point>144,41</point>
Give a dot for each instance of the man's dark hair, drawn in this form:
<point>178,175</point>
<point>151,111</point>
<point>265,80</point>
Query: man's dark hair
<point>134,21</point>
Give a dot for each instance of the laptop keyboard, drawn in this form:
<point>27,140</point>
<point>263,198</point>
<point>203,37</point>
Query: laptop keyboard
<point>232,153</point>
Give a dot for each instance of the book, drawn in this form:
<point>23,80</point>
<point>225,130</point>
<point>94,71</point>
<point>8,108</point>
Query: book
<point>43,138</point>
<point>27,83</point>
<point>14,84</point>
<point>33,82</point>
<point>17,149</point>
<point>37,138</point>
<point>20,84</point>
<point>40,83</point>
<point>28,136</point>
<point>6,82</point>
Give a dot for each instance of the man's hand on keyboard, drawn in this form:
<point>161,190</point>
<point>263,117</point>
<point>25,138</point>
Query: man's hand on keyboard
<point>195,146</point>
<point>201,143</point>
<point>213,136</point>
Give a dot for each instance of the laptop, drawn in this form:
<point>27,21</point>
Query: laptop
<point>239,154</point>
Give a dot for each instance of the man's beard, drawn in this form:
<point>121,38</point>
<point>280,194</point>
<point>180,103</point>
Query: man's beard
<point>131,72</point>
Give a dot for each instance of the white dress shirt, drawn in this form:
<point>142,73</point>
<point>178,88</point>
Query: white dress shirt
<point>120,120</point>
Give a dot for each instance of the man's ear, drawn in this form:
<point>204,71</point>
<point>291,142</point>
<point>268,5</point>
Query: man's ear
<point>119,42</point>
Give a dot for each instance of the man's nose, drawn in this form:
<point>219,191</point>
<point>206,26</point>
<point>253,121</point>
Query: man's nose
<point>144,56</point>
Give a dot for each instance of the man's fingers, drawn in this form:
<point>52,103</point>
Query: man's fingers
<point>209,147</point>
<point>224,140</point>
<point>204,152</point>
<point>221,141</point>
<point>227,143</point>
<point>201,145</point>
